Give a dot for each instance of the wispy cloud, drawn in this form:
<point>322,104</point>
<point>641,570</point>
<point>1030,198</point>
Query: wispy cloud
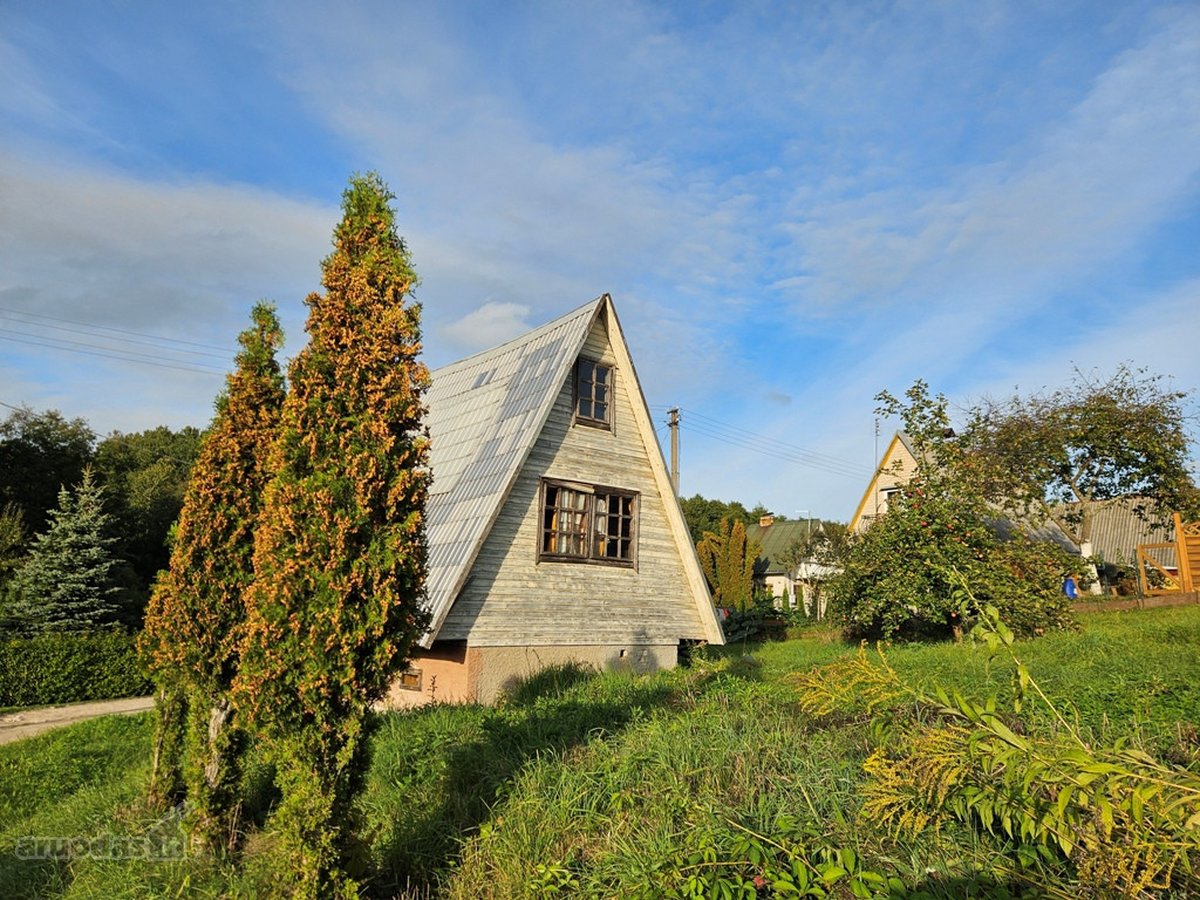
<point>178,260</point>
<point>491,324</point>
<point>1084,196</point>
<point>105,247</point>
<point>801,201</point>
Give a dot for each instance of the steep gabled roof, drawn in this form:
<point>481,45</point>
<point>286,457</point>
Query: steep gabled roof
<point>898,448</point>
<point>485,414</point>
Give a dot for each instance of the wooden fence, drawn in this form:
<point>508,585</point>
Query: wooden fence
<point>1151,561</point>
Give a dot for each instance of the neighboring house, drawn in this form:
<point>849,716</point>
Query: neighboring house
<point>775,571</point>
<point>553,532</point>
<point>772,571</point>
<point>896,468</point>
<point>897,465</point>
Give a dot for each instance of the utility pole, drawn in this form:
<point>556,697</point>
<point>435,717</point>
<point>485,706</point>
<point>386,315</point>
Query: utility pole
<point>673,422</point>
<point>877,466</point>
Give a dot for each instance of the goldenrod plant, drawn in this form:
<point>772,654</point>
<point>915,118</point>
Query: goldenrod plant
<point>1125,821</point>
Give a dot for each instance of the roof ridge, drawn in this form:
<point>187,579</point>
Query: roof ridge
<point>524,337</point>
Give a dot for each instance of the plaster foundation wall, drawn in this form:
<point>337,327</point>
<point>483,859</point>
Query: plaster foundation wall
<point>501,668</point>
<point>482,674</point>
<point>444,678</point>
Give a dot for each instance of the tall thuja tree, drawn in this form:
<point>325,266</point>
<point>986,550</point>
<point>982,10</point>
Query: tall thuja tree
<point>727,557</point>
<point>340,553</point>
<point>197,613</point>
<point>66,582</point>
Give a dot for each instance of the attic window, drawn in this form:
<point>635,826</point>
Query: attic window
<point>585,523</point>
<point>593,393</point>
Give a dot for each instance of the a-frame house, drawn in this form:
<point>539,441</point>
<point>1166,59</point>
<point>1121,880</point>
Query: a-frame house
<point>554,534</point>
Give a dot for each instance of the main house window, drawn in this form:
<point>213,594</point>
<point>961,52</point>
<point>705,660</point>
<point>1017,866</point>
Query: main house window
<point>588,524</point>
<point>593,393</point>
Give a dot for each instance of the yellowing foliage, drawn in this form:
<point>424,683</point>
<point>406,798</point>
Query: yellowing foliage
<point>339,553</point>
<point>194,622</point>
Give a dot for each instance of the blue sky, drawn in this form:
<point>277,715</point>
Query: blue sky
<point>794,205</point>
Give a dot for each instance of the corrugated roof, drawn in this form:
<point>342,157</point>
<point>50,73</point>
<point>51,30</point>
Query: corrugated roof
<point>485,413</point>
<point>1117,530</point>
<point>776,539</point>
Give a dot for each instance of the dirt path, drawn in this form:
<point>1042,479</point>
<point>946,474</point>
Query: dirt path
<point>27,722</point>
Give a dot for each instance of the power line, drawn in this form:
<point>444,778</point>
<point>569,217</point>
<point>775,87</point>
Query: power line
<point>786,457</point>
<point>714,429</point>
<point>107,355</point>
<point>108,342</point>
<point>782,445</point>
<point>224,350</point>
<point>158,343</point>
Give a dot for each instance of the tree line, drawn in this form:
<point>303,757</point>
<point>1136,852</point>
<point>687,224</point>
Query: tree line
<point>68,498</point>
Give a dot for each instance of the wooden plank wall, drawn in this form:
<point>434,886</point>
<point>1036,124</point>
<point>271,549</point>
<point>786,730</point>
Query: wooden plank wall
<point>512,600</point>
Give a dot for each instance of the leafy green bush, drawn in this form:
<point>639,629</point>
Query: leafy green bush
<point>900,578</point>
<point>759,621</point>
<point>68,668</point>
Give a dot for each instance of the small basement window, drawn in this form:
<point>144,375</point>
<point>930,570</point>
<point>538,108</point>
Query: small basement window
<point>586,523</point>
<point>410,679</point>
<point>593,393</point>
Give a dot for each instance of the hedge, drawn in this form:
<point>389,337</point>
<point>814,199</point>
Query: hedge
<point>67,668</point>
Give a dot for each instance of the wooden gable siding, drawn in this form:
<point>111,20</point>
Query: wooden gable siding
<point>511,599</point>
<point>895,469</point>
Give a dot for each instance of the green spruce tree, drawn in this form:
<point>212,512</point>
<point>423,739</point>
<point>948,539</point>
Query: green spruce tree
<point>66,582</point>
<point>340,553</point>
<point>196,616</point>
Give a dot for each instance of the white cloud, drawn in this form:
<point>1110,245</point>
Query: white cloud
<point>107,248</point>
<point>182,261</point>
<point>491,324</point>
<point>528,214</point>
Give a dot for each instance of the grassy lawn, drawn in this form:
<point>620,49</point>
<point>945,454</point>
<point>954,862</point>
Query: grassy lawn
<point>608,785</point>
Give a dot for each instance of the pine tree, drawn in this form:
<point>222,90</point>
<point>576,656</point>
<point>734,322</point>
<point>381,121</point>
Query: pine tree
<point>66,582</point>
<point>196,616</point>
<point>340,552</point>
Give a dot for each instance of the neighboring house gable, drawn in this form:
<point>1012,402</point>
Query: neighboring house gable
<point>897,465</point>
<point>553,531</point>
